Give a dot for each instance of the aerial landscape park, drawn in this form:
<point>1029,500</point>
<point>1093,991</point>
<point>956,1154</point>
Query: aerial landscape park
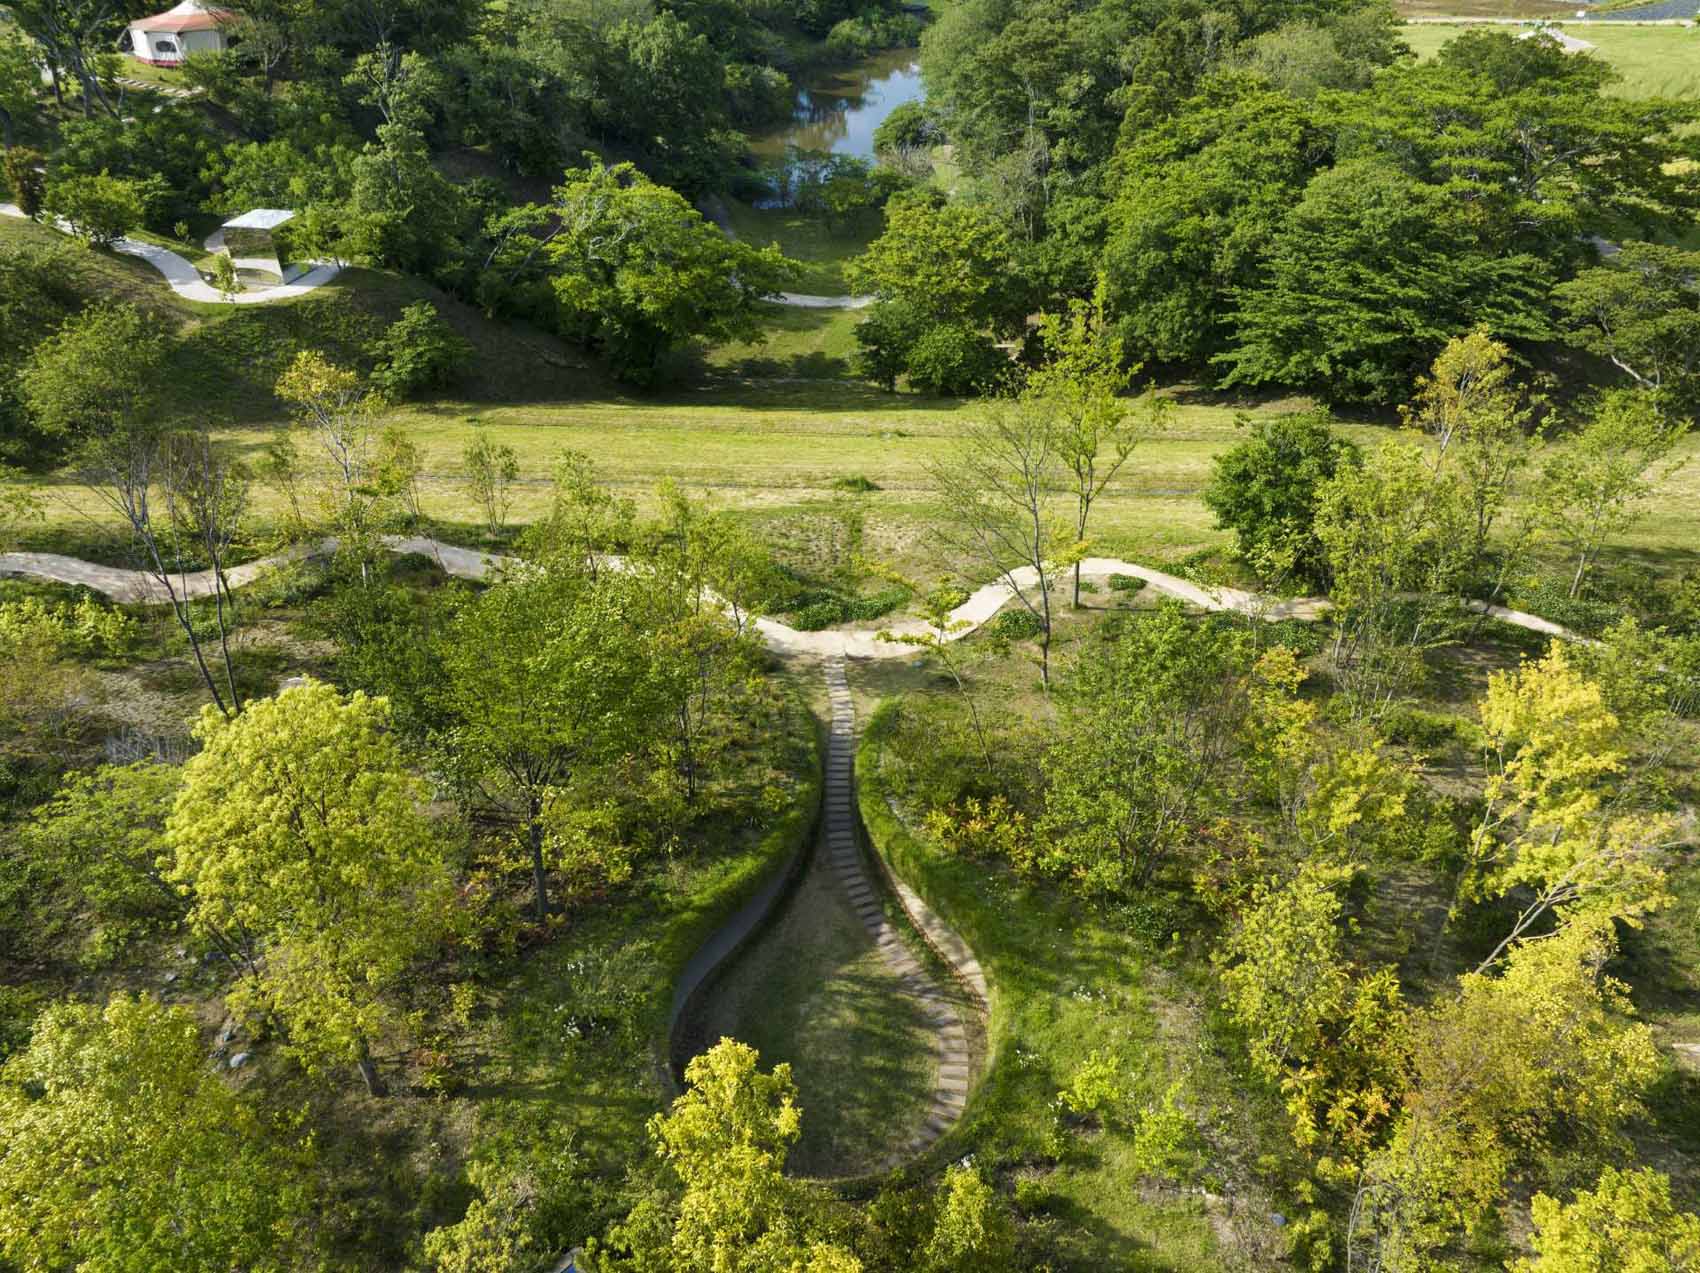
<point>813,636</point>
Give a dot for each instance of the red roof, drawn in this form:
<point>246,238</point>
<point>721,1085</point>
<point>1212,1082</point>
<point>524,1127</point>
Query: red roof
<point>180,19</point>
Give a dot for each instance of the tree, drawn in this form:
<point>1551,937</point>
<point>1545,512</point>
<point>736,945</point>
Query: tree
<point>100,209</point>
<point>972,1232</point>
<point>491,469</point>
<point>1594,487</point>
<point>995,495</point>
<point>1625,1224</point>
<point>1266,490</point>
<point>20,80</point>
<point>725,1142</point>
<point>1544,1057</point>
<point>1151,737</point>
<point>542,678</point>
<point>400,212</point>
<point>224,277</point>
<point>123,1150</point>
<point>1370,273</point>
<point>419,351</point>
<point>1079,384</point>
<point>947,262</point>
<point>299,827</point>
<point>638,271</point>
<point>1395,536</point>
<point>72,35</point>
<point>1640,311</point>
<point>22,167</point>
<point>584,521</point>
<point>95,382</point>
<point>1555,759</point>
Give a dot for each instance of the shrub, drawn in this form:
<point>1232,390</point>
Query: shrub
<point>879,604</point>
<point>956,360</point>
<point>820,614</point>
<point>418,351</point>
<point>24,178</point>
<point>100,209</point>
<point>857,484</point>
<point>1424,731</point>
<point>983,829</point>
<point>1126,583</point>
<point>883,341</point>
<point>1265,489</point>
<point>1551,599</point>
<point>1015,625</point>
<point>867,33</point>
<point>1097,1084</point>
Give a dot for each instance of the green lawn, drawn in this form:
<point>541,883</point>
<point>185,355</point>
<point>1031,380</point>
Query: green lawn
<point>1655,61</point>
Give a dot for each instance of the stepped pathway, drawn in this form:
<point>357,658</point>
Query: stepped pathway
<point>839,848</point>
<point>187,282</point>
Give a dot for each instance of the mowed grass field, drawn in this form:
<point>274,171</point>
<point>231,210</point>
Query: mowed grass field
<point>1655,61</point>
<point>771,429</point>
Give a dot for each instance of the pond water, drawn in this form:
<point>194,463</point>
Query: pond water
<point>837,111</point>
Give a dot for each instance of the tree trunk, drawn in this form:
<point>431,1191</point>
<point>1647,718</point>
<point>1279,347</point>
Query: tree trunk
<point>534,830</point>
<point>369,1068</point>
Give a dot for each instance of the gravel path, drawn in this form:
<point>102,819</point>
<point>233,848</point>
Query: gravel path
<point>832,643</point>
<point>187,282</point>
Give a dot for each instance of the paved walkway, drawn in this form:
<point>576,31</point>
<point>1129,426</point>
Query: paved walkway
<point>840,849</point>
<point>802,300</point>
<point>186,281</point>
<point>472,563</point>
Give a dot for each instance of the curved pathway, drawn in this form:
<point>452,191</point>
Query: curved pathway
<point>803,300</point>
<point>187,282</point>
<point>831,643</point>
<point>839,848</point>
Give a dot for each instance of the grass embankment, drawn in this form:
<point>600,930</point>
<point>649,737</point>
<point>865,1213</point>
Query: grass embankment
<point>823,250</point>
<point>776,449</point>
<point>1065,981</point>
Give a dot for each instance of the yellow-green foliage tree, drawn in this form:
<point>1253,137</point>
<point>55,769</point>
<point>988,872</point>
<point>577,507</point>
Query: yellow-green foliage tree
<point>299,825</point>
<point>725,1141</point>
<point>1625,1224</point>
<point>121,1149</point>
<point>1555,754</point>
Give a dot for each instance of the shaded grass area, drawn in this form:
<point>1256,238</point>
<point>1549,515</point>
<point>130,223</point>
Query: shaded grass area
<point>1065,981</point>
<point>821,249</point>
<point>813,344</point>
<point>814,991</point>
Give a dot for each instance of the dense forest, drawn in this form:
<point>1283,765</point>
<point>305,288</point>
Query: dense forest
<point>802,636</point>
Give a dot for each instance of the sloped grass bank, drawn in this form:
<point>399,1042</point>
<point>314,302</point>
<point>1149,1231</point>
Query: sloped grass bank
<point>1065,981</point>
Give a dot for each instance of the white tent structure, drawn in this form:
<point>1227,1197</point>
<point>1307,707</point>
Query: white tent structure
<point>166,39</point>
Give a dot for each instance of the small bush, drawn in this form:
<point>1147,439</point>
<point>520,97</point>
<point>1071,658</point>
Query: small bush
<point>418,351</point>
<point>1097,1084</point>
<point>857,484</point>
<point>1126,583</point>
<point>24,178</point>
<point>1551,599</point>
<point>820,614</point>
<point>1015,625</point>
<point>879,604</point>
<point>1423,730</point>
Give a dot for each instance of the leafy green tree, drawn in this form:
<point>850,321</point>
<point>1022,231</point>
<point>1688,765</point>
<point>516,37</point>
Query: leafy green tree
<point>1152,730</point>
<point>1395,535</point>
<point>22,169</point>
<point>491,470</point>
<point>1370,274</point>
<point>639,271</point>
<point>1627,1223</point>
<point>299,825</point>
<point>100,209</point>
<point>1266,489</point>
<point>124,1150</point>
<point>1640,311</point>
<point>96,375</point>
<point>585,521</point>
<point>419,351</point>
<point>400,212</point>
<point>1080,383</point>
<point>168,156</point>
<point>102,836</point>
<point>543,677</point>
<point>946,262</point>
<point>955,359</point>
<point>725,1142</point>
<point>971,1232</point>
<point>20,80</point>
<point>1555,756</point>
<point>72,35</point>
<point>1201,197</point>
<point>1596,486</point>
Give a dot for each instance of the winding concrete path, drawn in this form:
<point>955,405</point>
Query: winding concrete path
<point>803,300</point>
<point>840,849</point>
<point>187,282</point>
<point>831,643</point>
